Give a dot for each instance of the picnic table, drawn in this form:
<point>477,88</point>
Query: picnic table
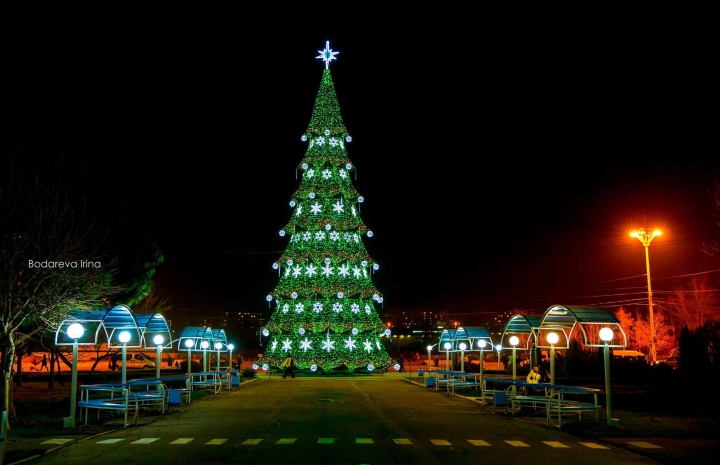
<point>558,400</point>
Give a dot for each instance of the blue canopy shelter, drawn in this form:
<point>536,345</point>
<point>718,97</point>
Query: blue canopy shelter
<point>106,324</point>
<point>563,320</point>
<point>152,325</point>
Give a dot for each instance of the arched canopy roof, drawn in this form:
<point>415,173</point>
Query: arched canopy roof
<point>470,335</point>
<point>563,320</point>
<point>199,334</point>
<point>151,325</point>
<point>108,322</point>
<point>523,326</point>
<point>447,335</point>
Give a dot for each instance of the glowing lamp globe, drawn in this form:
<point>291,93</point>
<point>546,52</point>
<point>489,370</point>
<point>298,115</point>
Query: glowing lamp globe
<point>75,330</point>
<point>204,344</point>
<point>606,334</point>
<point>463,346</point>
<point>231,346</point>
<point>189,343</point>
<point>482,344</point>
<point>158,340</point>
<point>552,338</point>
<point>218,346</point>
<point>124,337</point>
<point>514,341</point>
<point>447,346</point>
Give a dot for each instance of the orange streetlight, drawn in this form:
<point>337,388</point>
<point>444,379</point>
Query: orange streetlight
<point>646,238</point>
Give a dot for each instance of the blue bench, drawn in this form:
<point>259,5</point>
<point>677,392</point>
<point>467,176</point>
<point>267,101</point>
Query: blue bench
<point>173,389</point>
<point>559,406</point>
<point>110,397</point>
<point>149,392</point>
<point>206,380</point>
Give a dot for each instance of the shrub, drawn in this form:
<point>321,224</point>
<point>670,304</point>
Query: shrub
<point>248,373</point>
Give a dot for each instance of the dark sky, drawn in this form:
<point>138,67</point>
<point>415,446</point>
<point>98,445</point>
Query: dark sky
<point>499,171</point>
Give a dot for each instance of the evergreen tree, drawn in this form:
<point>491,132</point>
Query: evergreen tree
<point>325,315</point>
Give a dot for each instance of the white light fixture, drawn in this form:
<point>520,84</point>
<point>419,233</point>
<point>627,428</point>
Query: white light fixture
<point>189,343</point>
<point>447,346</point>
<point>514,341</point>
<point>552,338</point>
<point>606,334</point>
<point>124,337</point>
<point>75,332</point>
<point>158,340</point>
<point>204,345</point>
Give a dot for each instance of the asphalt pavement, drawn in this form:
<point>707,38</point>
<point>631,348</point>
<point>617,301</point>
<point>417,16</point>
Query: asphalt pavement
<point>49,447</point>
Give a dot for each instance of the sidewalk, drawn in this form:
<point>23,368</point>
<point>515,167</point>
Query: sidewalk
<point>27,442</point>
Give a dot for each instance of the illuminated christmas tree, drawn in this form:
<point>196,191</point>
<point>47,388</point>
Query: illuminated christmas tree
<point>324,304</point>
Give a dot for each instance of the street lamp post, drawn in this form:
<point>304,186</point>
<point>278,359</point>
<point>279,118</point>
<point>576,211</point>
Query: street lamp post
<point>447,355</point>
<point>462,346</point>
<point>552,338</point>
<point>158,341</point>
<point>230,359</point>
<point>124,338</point>
<point>75,332</point>
<point>514,341</point>
<point>218,346</point>
<point>205,345</point>
<point>482,344</point>
<point>646,238</point>
<point>499,349</point>
<point>189,343</point>
<point>606,334</point>
<point>429,349</point>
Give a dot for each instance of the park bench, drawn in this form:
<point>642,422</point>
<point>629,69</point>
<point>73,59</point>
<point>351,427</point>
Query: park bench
<point>173,388</point>
<point>559,405</point>
<point>206,380</point>
<point>108,397</point>
<point>149,392</point>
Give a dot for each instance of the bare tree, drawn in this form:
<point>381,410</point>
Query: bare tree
<point>695,306</point>
<point>51,262</point>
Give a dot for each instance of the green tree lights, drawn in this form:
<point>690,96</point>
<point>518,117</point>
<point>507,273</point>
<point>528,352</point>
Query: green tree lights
<point>324,304</point>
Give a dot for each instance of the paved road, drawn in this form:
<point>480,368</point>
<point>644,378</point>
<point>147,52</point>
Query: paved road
<point>358,420</point>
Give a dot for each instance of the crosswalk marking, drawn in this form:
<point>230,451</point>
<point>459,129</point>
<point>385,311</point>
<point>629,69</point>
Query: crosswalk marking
<point>398,441</point>
<point>478,442</point>
<point>644,445</point>
<point>145,441</point>
<point>517,444</point>
<point>440,442</point>
<point>182,441</point>
<point>593,445</point>
<point>556,444</point>
<point>57,441</point>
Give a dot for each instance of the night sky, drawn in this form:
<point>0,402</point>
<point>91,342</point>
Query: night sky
<point>499,172</point>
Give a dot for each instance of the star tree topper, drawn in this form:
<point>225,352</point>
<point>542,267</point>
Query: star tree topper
<point>327,55</point>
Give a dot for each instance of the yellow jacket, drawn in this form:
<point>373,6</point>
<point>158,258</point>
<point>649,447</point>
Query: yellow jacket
<point>533,378</point>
